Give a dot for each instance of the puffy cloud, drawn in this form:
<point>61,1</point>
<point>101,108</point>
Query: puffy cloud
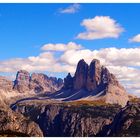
<point>71,9</point>
<point>12,65</point>
<point>128,77</point>
<point>135,38</point>
<point>100,27</point>
<point>72,57</point>
<point>31,63</point>
<point>61,47</point>
<point>124,62</point>
<point>43,62</point>
<point>121,57</point>
<point>108,56</point>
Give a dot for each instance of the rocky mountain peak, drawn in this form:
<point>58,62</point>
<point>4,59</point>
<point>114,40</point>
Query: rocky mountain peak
<point>109,78</point>
<point>60,82</point>
<point>94,75</point>
<point>95,80</point>
<point>23,75</point>
<point>91,76</point>
<point>87,76</point>
<point>80,77</point>
<point>22,81</point>
<point>68,82</point>
<point>95,61</point>
<point>36,83</point>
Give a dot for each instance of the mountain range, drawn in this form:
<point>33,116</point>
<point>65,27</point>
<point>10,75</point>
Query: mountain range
<point>90,103</point>
<point>90,82</point>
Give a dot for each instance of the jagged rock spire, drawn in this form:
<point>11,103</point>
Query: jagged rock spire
<point>22,81</point>
<point>68,82</point>
<point>91,76</point>
<point>95,79</point>
<point>80,77</point>
<point>94,75</point>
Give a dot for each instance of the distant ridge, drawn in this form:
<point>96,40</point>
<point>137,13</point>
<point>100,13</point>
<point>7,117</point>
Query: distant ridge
<point>37,82</point>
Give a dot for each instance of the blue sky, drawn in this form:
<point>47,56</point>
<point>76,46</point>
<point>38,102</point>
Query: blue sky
<point>26,28</point>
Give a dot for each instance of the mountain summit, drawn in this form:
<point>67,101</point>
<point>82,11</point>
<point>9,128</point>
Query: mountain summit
<point>91,76</point>
<point>36,83</point>
<point>92,82</point>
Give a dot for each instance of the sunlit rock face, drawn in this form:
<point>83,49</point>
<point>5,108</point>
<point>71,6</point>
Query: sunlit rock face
<point>37,83</point>
<point>40,83</point>
<point>90,77</point>
<point>22,81</point>
<point>14,124</point>
<point>6,84</point>
<point>94,75</point>
<point>81,73</point>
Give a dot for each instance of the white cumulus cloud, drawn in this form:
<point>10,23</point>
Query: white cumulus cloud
<point>61,47</point>
<point>108,56</point>
<point>135,38</point>
<point>71,9</point>
<point>123,62</point>
<point>100,27</point>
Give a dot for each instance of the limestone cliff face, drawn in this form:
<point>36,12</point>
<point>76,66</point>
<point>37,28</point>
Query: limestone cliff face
<point>80,78</point>
<point>90,77</point>
<point>15,124</point>
<point>126,122</point>
<point>6,84</point>
<point>42,83</point>
<point>83,118</point>
<point>22,81</point>
<point>94,75</point>
<point>6,88</point>
<point>60,120</point>
<point>68,82</point>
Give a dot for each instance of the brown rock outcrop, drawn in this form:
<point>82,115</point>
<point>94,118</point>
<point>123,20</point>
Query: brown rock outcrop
<point>90,77</point>
<point>94,75</point>
<point>6,84</point>
<point>80,78</point>
<point>14,124</point>
<point>22,81</point>
<point>67,120</point>
<point>126,122</point>
<point>42,83</point>
<point>68,82</point>
<point>36,83</point>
